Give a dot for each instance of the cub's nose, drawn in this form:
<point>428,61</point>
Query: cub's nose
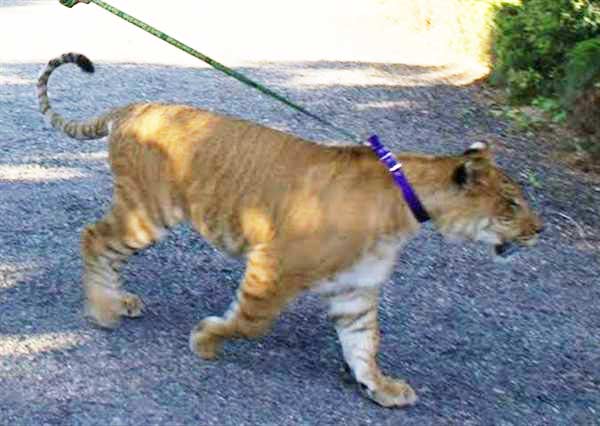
<point>538,224</point>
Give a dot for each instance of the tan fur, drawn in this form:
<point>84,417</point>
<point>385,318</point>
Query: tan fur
<point>304,216</point>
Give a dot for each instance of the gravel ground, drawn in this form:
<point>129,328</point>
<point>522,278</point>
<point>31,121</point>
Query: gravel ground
<point>482,343</point>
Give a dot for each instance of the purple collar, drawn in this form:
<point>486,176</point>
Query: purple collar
<point>395,168</point>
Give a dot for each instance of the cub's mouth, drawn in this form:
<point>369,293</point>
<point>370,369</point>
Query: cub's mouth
<point>506,250</point>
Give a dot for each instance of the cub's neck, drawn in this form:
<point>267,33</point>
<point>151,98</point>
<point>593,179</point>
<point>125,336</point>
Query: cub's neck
<point>433,179</point>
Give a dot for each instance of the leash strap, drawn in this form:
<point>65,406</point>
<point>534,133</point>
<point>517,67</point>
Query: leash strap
<point>384,155</point>
<point>213,63</point>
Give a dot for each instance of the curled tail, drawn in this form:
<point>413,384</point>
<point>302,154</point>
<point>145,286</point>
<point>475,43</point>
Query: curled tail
<point>91,129</point>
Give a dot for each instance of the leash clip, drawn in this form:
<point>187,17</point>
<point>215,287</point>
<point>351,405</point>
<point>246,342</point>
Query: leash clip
<point>71,3</point>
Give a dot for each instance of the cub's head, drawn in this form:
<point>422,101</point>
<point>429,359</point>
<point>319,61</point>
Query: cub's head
<point>488,206</point>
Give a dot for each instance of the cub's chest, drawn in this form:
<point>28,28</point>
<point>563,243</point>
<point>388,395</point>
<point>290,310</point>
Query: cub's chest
<point>370,271</point>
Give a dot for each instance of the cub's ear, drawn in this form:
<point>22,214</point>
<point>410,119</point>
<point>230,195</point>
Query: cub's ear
<point>479,149</point>
<point>470,172</point>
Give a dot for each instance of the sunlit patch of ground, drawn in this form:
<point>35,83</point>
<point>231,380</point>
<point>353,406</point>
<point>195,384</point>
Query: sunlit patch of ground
<point>14,79</point>
<point>37,173</point>
<point>371,76</point>
<point>16,345</point>
<point>13,273</point>
<point>233,32</point>
<point>101,156</point>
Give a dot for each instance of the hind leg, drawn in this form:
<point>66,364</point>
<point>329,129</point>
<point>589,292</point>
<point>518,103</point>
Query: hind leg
<point>105,246</point>
<point>262,295</point>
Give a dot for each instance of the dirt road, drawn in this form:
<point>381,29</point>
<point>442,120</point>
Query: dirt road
<point>482,343</point>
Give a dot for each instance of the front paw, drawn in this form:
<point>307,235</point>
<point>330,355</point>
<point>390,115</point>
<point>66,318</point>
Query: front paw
<point>391,393</point>
<point>204,342</point>
<point>132,305</point>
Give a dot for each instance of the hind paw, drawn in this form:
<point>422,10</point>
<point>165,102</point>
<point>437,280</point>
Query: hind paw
<point>105,306</point>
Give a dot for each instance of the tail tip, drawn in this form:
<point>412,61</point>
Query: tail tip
<point>85,64</point>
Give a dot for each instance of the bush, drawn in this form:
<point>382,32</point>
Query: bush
<point>532,44</point>
<point>586,116</point>
<point>583,69</point>
<point>582,88</point>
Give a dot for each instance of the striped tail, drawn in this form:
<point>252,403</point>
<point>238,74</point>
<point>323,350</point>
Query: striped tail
<point>94,128</point>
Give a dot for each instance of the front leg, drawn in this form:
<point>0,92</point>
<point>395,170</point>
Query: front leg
<point>354,313</point>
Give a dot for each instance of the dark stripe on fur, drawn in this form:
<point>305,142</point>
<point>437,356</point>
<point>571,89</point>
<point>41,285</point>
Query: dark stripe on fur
<point>250,317</point>
<point>250,297</point>
<point>113,249</point>
<point>351,318</point>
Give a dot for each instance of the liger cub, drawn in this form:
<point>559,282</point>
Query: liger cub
<point>303,215</point>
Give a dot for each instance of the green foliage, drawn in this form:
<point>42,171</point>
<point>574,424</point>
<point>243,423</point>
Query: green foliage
<point>533,43</point>
<point>583,68</point>
<point>552,107</point>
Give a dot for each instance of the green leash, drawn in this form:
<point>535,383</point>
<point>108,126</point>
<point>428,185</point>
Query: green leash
<point>217,65</point>
<point>384,154</point>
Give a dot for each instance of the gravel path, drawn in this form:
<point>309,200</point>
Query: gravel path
<point>482,343</point>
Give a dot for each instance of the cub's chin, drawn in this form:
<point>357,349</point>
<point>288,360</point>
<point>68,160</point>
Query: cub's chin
<point>504,252</point>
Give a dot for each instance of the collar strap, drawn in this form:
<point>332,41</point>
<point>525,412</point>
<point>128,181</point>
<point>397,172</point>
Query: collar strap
<point>395,168</point>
